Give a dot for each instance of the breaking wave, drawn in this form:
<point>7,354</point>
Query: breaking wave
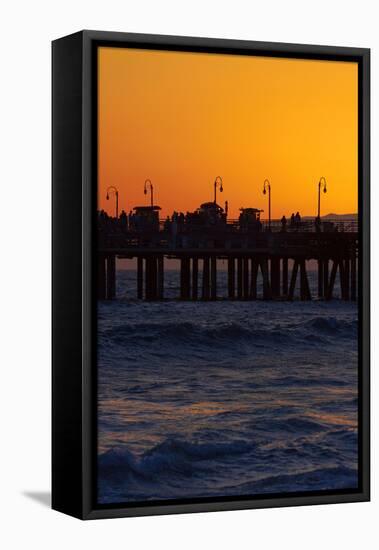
<point>226,334</point>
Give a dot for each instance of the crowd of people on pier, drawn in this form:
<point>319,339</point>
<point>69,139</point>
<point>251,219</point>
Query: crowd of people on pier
<point>209,215</point>
<point>295,221</point>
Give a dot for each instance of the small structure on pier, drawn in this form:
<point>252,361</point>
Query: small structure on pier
<point>145,218</point>
<point>250,219</point>
<point>210,213</point>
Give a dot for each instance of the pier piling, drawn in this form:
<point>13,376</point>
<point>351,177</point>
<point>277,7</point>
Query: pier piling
<point>239,278</point>
<point>305,293</point>
<point>275,277</point>
<point>320,279</point>
<point>326,277</point>
<point>185,278</point>
<point>285,276</point>
<point>160,277</point>
<point>333,274</point>
<point>205,281</point>
<point>148,278</point>
<point>353,278</point>
<point>254,277</point>
<point>111,277</point>
<point>231,277</point>
<point>213,278</point>
<point>293,280</point>
<point>266,280</point>
<point>139,277</point>
<point>101,278</point>
<point>195,274</point>
<point>245,280</point>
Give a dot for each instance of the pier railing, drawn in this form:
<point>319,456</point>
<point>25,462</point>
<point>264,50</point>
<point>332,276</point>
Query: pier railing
<point>331,225</point>
<point>305,234</point>
<point>347,225</point>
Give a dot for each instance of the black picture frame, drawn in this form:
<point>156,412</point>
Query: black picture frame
<point>74,137</point>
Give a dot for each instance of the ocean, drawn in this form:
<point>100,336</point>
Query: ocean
<point>225,398</point>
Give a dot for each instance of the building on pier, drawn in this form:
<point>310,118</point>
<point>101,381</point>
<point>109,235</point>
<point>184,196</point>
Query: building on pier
<point>250,219</point>
<point>145,218</point>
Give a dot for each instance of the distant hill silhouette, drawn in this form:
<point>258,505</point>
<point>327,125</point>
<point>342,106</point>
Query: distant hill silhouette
<point>333,216</point>
<point>340,216</point>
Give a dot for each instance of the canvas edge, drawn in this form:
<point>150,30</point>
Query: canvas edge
<point>87,510</point>
<point>66,405</point>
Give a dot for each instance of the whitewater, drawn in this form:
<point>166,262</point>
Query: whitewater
<point>225,398</point>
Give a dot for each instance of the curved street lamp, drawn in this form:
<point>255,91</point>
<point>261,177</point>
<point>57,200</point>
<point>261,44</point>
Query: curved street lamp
<point>321,183</point>
<point>149,184</point>
<point>217,183</point>
<point>267,187</point>
<point>113,190</point>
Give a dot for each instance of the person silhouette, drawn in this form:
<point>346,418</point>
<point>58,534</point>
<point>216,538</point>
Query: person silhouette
<point>123,218</point>
<point>297,220</point>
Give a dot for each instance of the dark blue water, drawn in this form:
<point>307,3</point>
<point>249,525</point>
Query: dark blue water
<point>224,398</point>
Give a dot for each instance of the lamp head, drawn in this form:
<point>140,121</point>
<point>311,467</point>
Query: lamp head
<point>264,190</point>
<point>107,197</point>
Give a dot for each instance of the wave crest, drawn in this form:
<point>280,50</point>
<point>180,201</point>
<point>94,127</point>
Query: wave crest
<point>171,455</point>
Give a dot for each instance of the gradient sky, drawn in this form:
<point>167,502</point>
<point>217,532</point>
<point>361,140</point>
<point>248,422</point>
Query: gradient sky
<point>181,119</point>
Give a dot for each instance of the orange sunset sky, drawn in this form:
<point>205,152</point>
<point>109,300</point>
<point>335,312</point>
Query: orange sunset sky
<point>181,119</point>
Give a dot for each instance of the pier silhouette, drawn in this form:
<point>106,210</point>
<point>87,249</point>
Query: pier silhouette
<point>278,250</point>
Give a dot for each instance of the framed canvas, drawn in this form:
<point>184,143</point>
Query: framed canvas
<point>210,274</point>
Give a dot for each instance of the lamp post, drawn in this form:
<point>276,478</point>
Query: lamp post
<point>112,189</point>
<point>321,183</point>
<point>149,184</point>
<point>267,187</point>
<point>217,183</point>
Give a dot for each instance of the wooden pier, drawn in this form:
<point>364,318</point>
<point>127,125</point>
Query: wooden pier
<point>279,259</point>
